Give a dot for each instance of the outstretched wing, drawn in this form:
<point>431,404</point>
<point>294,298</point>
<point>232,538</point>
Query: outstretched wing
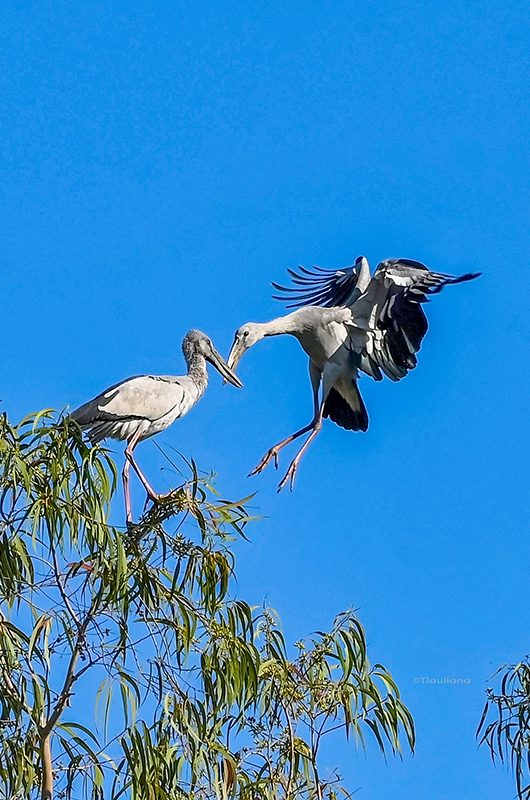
<point>325,287</point>
<point>391,315</point>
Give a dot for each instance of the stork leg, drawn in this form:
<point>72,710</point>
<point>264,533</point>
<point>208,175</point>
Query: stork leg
<point>315,375</point>
<point>154,496</point>
<point>275,449</point>
<point>130,462</point>
<point>331,372</point>
<point>126,493</point>
<point>293,466</point>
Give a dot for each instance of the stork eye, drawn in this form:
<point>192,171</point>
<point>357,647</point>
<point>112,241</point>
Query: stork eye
<point>246,333</point>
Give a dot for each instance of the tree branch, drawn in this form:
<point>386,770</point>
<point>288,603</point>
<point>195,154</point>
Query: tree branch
<point>290,779</point>
<point>47,769</point>
<point>58,579</point>
<point>70,676</point>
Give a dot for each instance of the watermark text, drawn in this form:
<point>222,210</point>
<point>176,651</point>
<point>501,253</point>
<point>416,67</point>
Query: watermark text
<point>445,680</point>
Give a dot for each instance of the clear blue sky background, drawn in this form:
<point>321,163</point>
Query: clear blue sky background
<point>162,162</point>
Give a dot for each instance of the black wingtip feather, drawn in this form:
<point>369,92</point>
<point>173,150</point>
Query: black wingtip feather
<point>469,276</point>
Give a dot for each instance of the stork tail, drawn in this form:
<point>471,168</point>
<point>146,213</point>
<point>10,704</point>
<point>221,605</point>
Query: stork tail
<point>348,412</point>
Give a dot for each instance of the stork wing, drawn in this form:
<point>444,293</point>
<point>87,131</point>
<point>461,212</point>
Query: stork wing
<point>147,397</point>
<point>390,315</point>
<point>325,287</point>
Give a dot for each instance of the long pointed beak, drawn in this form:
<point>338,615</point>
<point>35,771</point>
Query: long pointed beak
<point>221,366</point>
<point>234,356</point>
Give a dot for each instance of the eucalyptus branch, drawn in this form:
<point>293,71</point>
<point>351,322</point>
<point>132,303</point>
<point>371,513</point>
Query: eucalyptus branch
<point>47,767</point>
<point>59,583</point>
<point>320,732</point>
<point>71,675</point>
<point>290,779</point>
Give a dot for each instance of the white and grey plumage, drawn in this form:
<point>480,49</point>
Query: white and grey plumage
<point>347,321</point>
<point>145,405</point>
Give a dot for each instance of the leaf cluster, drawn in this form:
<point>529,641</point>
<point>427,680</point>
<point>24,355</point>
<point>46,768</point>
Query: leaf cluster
<point>126,668</point>
<point>505,723</point>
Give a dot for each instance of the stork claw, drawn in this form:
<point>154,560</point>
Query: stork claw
<point>289,476</point>
<point>272,453</point>
<point>167,496</point>
<point>158,499</point>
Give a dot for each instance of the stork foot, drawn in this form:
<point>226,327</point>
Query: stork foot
<point>270,454</point>
<point>288,477</point>
<point>154,498</point>
<point>168,496</point>
<point>159,499</point>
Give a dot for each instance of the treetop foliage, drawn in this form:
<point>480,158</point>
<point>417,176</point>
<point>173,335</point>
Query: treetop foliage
<point>126,669</point>
<point>505,723</point>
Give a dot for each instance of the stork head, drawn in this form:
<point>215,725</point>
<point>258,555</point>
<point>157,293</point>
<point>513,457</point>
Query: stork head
<point>245,336</point>
<point>197,342</point>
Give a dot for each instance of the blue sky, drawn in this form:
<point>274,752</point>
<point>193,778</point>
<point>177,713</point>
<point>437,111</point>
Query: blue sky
<point>162,163</point>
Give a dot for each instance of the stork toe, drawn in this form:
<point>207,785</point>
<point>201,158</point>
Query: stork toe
<point>272,453</point>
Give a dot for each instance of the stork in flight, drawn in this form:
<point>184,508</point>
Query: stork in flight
<point>349,321</point>
<point>145,405</point>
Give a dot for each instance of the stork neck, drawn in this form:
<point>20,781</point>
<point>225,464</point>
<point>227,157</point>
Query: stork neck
<point>286,324</point>
<point>197,370</point>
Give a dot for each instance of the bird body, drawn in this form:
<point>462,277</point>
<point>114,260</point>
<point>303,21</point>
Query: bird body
<point>144,405</point>
<point>348,322</point>
<point>324,339</point>
<point>325,336</point>
<point>320,331</point>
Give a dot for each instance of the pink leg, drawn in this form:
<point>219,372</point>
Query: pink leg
<point>126,494</point>
<point>130,462</point>
<point>314,374</point>
<point>145,483</point>
<point>291,472</point>
<point>275,449</point>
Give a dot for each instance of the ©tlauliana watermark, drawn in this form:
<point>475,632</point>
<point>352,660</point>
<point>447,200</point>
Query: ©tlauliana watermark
<point>429,680</point>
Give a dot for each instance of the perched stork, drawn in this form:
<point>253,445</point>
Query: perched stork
<point>347,321</point>
<point>145,405</point>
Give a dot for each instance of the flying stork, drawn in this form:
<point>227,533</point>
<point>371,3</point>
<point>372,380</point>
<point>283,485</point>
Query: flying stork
<point>347,322</point>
